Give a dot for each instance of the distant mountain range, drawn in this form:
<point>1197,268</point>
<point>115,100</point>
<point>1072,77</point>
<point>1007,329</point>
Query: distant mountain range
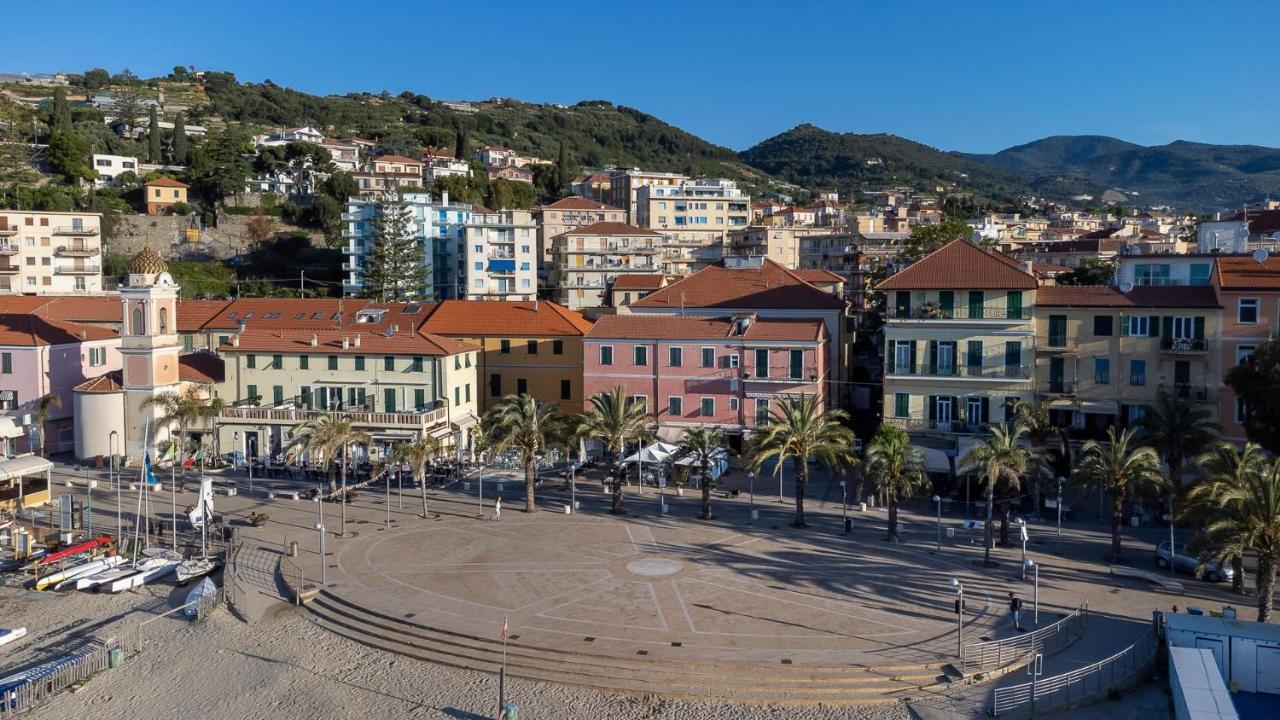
<point>1195,176</point>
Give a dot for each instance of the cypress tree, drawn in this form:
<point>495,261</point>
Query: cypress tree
<point>153,136</point>
<point>181,146</point>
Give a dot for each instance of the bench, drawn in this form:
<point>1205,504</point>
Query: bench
<point>228,491</point>
<point>274,494</point>
<point>1163,581</point>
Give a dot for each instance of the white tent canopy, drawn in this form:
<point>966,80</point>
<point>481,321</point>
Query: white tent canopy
<point>19,467</point>
<point>655,453</point>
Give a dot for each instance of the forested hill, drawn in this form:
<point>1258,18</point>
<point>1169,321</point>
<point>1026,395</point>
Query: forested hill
<point>593,133</point>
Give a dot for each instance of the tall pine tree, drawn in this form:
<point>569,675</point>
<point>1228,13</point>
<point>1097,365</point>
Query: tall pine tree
<point>393,266</point>
<point>60,110</point>
<point>181,145</point>
<point>153,136</point>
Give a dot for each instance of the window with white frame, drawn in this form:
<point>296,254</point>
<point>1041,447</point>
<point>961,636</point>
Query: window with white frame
<point>707,407</point>
<point>1247,311</point>
<point>1244,351</point>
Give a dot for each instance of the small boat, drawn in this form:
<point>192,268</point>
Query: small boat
<point>202,589</point>
<point>148,570</point>
<point>71,551</point>
<point>8,635</point>
<point>89,582</point>
<point>196,567</point>
<point>71,574</point>
<point>162,553</point>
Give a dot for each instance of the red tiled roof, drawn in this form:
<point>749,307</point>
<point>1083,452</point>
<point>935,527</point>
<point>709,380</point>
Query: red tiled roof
<point>30,330</point>
<point>768,287</point>
<point>405,342</point>
<point>194,314</point>
<point>961,264</point>
<point>1151,296</point>
<point>397,159</point>
<point>166,182</point>
<point>85,308</point>
<point>578,203</point>
<point>1081,296</point>
<point>816,276</point>
<point>664,327</point>
<point>1161,296</point>
<point>611,228</point>
<point>509,318</point>
<point>1245,273</point>
<point>107,383</point>
<point>639,281</point>
<point>259,313</point>
<point>201,367</point>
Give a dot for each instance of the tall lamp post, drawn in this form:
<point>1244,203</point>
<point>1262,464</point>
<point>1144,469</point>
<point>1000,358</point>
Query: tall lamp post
<point>1022,530</point>
<point>937,499</point>
<point>844,506</point>
<point>111,444</point>
<point>959,586</point>
<point>324,560</point>
<point>1029,563</point>
<point>1061,481</point>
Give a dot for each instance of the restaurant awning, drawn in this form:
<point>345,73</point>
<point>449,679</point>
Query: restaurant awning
<point>11,428</point>
<point>14,468</point>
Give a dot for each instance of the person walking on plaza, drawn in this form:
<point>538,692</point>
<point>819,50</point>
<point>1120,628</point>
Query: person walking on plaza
<point>497,508</point>
<point>1015,609</point>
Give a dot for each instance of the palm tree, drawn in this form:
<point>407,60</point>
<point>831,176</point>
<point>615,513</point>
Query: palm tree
<point>1123,470</point>
<point>330,437</point>
<point>1040,429</point>
<point>1223,467</point>
<point>528,425</point>
<point>315,439</point>
<point>613,422</point>
<point>185,409</point>
<point>1246,515</point>
<point>703,443</point>
<point>799,429</point>
<point>895,469</point>
<point>1001,460</point>
<point>418,453</point>
<point>1177,429</point>
<point>44,413</point>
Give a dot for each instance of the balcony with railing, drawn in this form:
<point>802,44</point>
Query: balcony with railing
<point>78,230</point>
<point>83,269</point>
<point>1188,391</point>
<point>8,249</point>
<point>787,373</point>
<point>953,427</point>
<point>1184,345</point>
<point>1058,386</point>
<point>76,251</point>
<point>993,371</point>
<point>241,413</point>
<point>1057,343</point>
<point>7,269</point>
<point>8,231</point>
<point>930,311</point>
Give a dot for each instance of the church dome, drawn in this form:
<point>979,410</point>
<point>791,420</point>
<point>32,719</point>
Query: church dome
<point>147,262</point>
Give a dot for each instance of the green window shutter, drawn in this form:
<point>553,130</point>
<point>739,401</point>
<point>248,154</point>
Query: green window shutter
<point>251,361</point>
<point>333,362</point>
<point>277,394</point>
<point>6,363</point>
<point>359,362</point>
<point>252,392</point>
<point>304,362</point>
<point>389,400</point>
<point>420,397</point>
<point>1198,328</point>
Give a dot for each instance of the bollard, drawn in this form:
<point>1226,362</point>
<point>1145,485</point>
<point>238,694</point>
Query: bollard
<point>862,507</point>
<point>293,548</point>
<point>568,509</point>
<point>577,505</point>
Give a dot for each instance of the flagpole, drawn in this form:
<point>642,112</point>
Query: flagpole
<point>502,672</point>
<point>173,495</point>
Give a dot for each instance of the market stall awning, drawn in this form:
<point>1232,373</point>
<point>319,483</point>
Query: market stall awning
<point>11,428</point>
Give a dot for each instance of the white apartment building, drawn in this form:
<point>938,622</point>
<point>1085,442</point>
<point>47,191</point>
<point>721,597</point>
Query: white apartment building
<point>586,260</point>
<point>500,260</point>
<point>284,136</point>
<point>442,166</point>
<point>110,166</point>
<point>50,253</point>
<point>438,228</point>
<point>624,187</point>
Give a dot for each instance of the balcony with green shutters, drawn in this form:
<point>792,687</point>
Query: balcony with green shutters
<point>971,360</point>
<point>943,307</point>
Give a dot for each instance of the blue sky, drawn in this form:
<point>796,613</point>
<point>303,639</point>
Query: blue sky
<point>975,76</point>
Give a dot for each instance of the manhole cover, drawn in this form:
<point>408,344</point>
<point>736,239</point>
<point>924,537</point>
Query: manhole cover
<point>653,567</point>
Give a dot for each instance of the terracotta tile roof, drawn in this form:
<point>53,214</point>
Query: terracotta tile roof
<point>194,314</point>
<point>768,287</point>
<point>1245,273</point>
<point>483,318</point>
<point>611,228</point>
<point>816,276</point>
<point>639,281</point>
<point>85,308</point>
<point>201,367</point>
<point>665,327</point>
<point>286,313</point>
<point>30,330</point>
<point>397,159</point>
<point>961,264</point>
<point>579,203</point>
<point>107,383</point>
<point>166,182</point>
<point>329,342</point>
<point>1150,296</point>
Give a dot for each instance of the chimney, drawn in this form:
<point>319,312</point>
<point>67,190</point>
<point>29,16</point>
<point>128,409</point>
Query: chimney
<point>346,343</point>
<point>315,340</point>
<point>357,341</point>
<point>235,341</point>
<point>1026,266</point>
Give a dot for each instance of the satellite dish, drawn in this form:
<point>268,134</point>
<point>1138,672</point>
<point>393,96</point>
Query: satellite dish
<point>1126,287</point>
<point>1260,256</point>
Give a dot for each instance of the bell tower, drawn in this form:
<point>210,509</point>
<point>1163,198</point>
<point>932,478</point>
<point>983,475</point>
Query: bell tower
<point>149,345</point>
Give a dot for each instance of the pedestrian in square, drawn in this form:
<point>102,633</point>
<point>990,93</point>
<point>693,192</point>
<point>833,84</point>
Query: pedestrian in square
<point>497,508</point>
<point>1015,609</point>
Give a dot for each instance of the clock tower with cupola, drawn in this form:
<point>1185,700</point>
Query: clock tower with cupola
<point>150,347</point>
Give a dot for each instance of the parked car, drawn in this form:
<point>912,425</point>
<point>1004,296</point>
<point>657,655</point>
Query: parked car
<point>1214,571</point>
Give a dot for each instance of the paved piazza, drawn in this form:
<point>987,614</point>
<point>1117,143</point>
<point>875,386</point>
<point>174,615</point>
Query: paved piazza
<point>669,588</point>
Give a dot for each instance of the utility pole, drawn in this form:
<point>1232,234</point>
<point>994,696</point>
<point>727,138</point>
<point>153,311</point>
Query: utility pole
<point>302,283</point>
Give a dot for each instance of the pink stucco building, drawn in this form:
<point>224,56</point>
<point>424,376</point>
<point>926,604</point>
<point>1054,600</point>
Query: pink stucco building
<point>1249,293</point>
<point>727,371</point>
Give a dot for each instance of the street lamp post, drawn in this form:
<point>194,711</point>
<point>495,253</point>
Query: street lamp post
<point>399,486</point>
<point>959,586</point>
<point>573,486</point>
<point>88,494</point>
<point>938,500</point>
<point>480,494</point>
<point>1061,481</point>
<point>324,560</point>
<point>1029,563</point>
<point>386,498</point>
<point>1022,530</point>
<point>111,444</point>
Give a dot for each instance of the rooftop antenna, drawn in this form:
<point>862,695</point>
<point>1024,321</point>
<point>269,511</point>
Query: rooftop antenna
<point>1260,256</point>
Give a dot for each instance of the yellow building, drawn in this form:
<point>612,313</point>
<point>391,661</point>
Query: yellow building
<point>779,244</point>
<point>1103,357</point>
<point>163,193</point>
<point>527,347</point>
<point>959,344</point>
<point>586,260</point>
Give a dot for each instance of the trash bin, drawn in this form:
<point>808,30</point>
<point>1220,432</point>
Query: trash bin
<point>115,658</point>
<point>293,548</point>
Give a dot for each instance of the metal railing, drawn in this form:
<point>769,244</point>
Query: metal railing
<point>1184,344</point>
<point>1080,685</point>
<point>994,371</point>
<point>1048,639</point>
<point>929,311</point>
<point>295,415</point>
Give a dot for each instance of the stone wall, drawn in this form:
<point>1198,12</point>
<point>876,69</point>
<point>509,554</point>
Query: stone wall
<point>168,236</point>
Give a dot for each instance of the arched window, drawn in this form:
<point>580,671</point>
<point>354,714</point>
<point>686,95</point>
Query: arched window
<point>164,320</point>
<point>139,323</point>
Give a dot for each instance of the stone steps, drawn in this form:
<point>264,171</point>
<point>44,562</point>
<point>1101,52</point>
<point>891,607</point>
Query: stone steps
<point>705,681</point>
